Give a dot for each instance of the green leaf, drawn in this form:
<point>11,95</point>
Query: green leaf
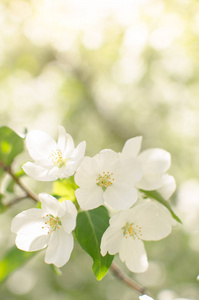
<point>89,230</point>
<point>65,189</point>
<point>11,145</point>
<point>13,260</point>
<point>155,195</point>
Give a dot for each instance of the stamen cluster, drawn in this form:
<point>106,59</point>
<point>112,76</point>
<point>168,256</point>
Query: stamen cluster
<point>132,230</point>
<point>56,157</point>
<point>104,180</point>
<point>53,223</point>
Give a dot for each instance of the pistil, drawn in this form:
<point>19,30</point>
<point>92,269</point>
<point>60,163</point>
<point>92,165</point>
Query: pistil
<point>52,223</point>
<point>132,230</point>
<point>105,180</point>
<point>56,157</point>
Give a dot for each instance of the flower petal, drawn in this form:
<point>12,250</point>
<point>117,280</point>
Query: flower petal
<point>79,152</point>
<point>119,220</point>
<point>154,219</point>
<point>155,161</point>
<point>105,159</point>
<point>168,187</point>
<point>49,204</point>
<point>150,182</point>
<point>68,220</point>
<point>32,234</point>
<point>65,142</point>
<point>111,241</point>
<point>26,219</point>
<point>132,147</point>
<point>39,144</point>
<point>130,171</point>
<point>38,172</point>
<point>67,170</point>
<point>120,196</point>
<point>87,172</point>
<point>132,252</point>
<point>59,248</point>
<point>145,297</point>
<point>89,198</point>
<point>33,241</point>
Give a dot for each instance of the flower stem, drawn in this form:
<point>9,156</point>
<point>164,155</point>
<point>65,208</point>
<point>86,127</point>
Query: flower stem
<point>15,200</point>
<point>29,194</point>
<point>128,281</point>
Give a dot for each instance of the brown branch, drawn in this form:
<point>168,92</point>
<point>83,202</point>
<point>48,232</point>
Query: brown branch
<point>128,281</point>
<point>15,200</point>
<point>29,194</point>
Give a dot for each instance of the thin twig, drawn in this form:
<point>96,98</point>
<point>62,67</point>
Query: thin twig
<point>15,200</point>
<point>128,281</point>
<point>29,194</point>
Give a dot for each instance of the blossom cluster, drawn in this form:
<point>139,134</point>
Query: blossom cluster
<point>116,180</point>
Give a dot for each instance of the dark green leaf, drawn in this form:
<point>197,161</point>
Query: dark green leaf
<point>13,260</point>
<point>155,195</point>
<point>89,230</point>
<point>11,145</point>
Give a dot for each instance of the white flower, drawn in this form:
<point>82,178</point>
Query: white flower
<point>51,227</point>
<point>52,160</point>
<point>155,163</point>
<point>148,221</point>
<point>107,178</point>
<point>145,297</point>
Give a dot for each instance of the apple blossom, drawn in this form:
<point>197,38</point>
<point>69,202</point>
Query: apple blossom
<point>52,160</point>
<point>155,162</point>
<point>145,297</point>
<point>148,221</point>
<point>107,178</point>
<point>51,227</point>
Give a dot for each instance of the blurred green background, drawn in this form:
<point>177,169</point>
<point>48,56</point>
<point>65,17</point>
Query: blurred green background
<point>106,71</point>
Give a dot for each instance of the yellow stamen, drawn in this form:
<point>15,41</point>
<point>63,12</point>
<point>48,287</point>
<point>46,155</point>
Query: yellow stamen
<point>56,157</point>
<point>105,180</point>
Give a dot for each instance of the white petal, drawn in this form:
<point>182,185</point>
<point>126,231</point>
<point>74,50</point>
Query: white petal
<point>168,187</point>
<point>120,196</point>
<point>89,198</point>
<point>79,152</point>
<point>155,161</point>
<point>28,218</point>
<point>154,219</point>
<point>38,172</point>
<point>68,220</point>
<point>67,170</point>
<point>132,147</point>
<point>32,242</point>
<point>132,252</point>
<point>65,142</point>
<point>111,241</point>
<point>150,182</point>
<point>32,234</point>
<point>39,144</point>
<point>145,297</point>
<point>130,171</point>
<point>120,220</point>
<point>87,172</point>
<point>49,204</point>
<point>59,248</point>
<point>105,159</point>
